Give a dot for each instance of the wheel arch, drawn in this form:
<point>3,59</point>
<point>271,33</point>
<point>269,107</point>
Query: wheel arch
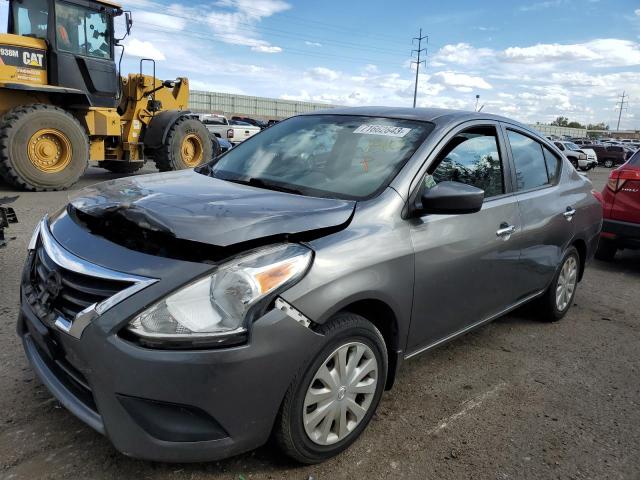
<point>383,317</point>
<point>581,246</point>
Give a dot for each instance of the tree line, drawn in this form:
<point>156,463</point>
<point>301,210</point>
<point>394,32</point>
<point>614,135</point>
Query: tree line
<point>564,122</point>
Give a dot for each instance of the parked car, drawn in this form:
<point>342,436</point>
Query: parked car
<point>256,123</point>
<point>609,155</point>
<point>621,203</point>
<point>578,156</point>
<point>191,315</point>
<point>222,128</point>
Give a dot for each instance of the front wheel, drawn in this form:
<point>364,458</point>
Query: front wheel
<point>575,164</point>
<point>187,145</point>
<point>557,300</point>
<point>608,163</point>
<point>332,399</point>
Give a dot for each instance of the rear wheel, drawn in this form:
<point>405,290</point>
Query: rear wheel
<point>557,300</point>
<point>332,399</point>
<point>42,147</point>
<point>121,166</point>
<point>187,145</point>
<point>606,250</point>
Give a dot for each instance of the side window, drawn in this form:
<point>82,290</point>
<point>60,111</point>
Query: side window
<point>82,31</point>
<point>531,170</point>
<point>471,157</point>
<point>553,164</point>
<point>559,145</point>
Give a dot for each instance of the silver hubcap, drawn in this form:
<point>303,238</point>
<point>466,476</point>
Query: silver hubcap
<point>566,283</point>
<point>340,393</point>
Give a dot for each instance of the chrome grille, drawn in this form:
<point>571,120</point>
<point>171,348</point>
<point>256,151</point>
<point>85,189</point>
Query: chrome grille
<point>56,291</point>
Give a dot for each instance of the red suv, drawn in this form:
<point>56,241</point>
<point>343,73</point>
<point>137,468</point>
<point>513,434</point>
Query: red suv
<point>621,203</point>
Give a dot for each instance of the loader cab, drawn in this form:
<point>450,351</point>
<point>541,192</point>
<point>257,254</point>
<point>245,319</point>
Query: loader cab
<point>80,39</point>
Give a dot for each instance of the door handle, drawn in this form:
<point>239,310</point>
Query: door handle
<point>505,231</point>
<point>569,213</point>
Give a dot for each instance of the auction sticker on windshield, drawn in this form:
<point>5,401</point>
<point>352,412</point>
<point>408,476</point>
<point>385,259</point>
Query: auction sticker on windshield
<point>382,130</point>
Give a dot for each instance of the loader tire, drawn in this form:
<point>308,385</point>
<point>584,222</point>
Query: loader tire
<point>42,148</point>
<point>187,145</point>
<point>121,166</point>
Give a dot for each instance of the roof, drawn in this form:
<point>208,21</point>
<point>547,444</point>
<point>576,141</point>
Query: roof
<point>435,115</point>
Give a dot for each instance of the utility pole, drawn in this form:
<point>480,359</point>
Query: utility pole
<point>477,100</point>
<point>620,105</point>
<point>419,51</point>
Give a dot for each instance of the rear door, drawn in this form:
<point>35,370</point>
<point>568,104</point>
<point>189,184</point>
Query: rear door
<point>546,197</point>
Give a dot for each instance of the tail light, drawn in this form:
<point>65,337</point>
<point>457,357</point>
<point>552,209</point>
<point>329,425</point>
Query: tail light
<point>618,178</point>
<point>230,133</point>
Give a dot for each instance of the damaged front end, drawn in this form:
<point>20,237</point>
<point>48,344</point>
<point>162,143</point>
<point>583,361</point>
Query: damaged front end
<point>187,216</point>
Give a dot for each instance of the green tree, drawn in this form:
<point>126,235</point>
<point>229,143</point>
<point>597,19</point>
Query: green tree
<point>560,122</point>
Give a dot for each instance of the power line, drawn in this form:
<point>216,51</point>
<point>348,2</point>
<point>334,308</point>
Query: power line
<point>292,51</point>
<point>419,38</point>
<point>621,106</point>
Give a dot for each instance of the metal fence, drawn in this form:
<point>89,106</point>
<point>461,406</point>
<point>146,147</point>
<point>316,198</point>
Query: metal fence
<point>559,131</point>
<point>262,108</point>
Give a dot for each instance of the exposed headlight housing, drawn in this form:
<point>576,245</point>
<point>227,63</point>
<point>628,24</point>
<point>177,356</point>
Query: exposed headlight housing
<point>217,309</point>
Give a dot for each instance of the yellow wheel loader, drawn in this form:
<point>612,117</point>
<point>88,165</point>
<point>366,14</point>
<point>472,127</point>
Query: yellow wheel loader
<point>64,103</point>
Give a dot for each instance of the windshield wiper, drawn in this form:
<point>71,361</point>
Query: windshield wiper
<point>260,183</point>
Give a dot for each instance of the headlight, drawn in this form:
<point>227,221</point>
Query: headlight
<point>218,308</point>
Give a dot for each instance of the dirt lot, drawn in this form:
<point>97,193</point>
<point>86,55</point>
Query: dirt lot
<point>515,399</point>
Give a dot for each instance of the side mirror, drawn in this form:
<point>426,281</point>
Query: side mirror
<point>451,198</point>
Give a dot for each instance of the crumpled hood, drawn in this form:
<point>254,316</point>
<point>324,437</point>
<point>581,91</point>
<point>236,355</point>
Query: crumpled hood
<point>196,207</point>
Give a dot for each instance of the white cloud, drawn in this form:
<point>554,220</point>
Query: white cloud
<point>236,23</point>
<point>169,23</point>
<point>605,52</point>
<point>637,12</point>
<point>143,49</point>
<point>541,5</point>
<point>462,80</point>
<point>312,44</point>
<point>266,48</point>
<point>460,54</point>
<point>322,74</point>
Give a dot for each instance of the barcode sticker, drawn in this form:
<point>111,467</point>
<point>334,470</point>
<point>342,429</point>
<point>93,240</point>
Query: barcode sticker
<point>382,130</point>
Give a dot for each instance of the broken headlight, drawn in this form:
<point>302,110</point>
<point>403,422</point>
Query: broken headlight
<point>215,310</point>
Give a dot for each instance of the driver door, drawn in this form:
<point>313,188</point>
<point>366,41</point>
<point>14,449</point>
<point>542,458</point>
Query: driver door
<point>466,266</point>
<point>83,55</point>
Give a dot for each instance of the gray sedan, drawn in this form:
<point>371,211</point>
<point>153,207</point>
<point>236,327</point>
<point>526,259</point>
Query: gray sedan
<point>276,291</point>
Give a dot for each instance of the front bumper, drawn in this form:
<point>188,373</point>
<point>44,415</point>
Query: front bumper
<point>173,406</point>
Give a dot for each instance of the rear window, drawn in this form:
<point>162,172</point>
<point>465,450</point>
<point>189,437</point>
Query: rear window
<point>635,159</point>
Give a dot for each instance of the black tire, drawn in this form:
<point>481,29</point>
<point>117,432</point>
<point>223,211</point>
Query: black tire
<point>169,156</point>
<point>17,127</point>
<point>216,148</point>
<point>606,250</point>
<point>575,164</point>
<point>289,431</point>
<point>608,163</point>
<point>121,166</point>
<point>548,308</point>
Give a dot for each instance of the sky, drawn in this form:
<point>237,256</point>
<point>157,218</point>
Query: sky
<point>532,60</point>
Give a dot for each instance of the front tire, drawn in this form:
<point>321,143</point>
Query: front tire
<point>557,300</point>
<point>187,145</point>
<point>332,399</point>
<point>42,148</point>
<point>608,163</point>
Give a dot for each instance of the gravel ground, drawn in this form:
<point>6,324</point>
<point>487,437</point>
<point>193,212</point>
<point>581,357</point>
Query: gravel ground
<point>515,399</point>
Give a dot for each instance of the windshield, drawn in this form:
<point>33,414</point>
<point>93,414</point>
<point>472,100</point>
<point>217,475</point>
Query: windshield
<point>572,146</point>
<point>350,157</point>
<point>82,31</point>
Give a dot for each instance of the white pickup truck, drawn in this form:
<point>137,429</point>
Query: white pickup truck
<point>234,131</point>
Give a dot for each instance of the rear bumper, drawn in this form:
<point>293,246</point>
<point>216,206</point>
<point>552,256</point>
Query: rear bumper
<point>625,234</point>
